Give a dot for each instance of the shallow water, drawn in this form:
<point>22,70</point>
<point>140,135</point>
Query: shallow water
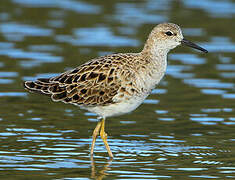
<point>184,130</point>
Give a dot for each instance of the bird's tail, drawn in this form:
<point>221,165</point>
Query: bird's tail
<point>39,86</point>
<point>47,87</point>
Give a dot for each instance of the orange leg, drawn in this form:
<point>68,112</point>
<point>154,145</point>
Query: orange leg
<point>104,136</point>
<point>94,136</point>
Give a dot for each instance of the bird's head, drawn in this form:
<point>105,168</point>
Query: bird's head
<point>168,36</point>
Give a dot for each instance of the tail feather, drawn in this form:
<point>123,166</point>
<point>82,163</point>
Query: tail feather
<point>44,80</point>
<point>59,96</point>
<point>37,86</point>
<point>44,86</point>
<point>56,89</point>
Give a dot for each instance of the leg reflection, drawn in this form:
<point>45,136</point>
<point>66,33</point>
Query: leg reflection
<point>100,174</point>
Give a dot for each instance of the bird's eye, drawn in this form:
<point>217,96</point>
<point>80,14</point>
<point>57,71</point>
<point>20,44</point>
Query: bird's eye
<point>169,33</point>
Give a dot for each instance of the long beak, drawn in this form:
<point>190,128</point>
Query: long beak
<point>190,44</point>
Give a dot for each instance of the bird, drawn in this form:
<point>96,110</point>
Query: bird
<point>114,84</point>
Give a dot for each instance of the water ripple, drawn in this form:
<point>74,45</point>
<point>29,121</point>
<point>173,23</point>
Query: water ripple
<point>213,7</point>
<point>98,36</point>
<point>77,6</point>
<point>15,31</point>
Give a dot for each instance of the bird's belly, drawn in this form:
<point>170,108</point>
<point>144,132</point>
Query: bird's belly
<point>119,108</point>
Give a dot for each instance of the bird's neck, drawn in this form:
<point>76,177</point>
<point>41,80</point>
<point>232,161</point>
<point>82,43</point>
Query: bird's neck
<point>155,53</point>
<point>155,57</point>
<point>153,48</point>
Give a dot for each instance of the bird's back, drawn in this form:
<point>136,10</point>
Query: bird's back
<point>94,83</point>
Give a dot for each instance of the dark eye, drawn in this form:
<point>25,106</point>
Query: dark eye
<point>169,33</point>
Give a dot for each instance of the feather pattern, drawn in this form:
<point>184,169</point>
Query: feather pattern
<point>94,83</point>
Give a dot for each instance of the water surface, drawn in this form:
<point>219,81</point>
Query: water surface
<point>184,130</point>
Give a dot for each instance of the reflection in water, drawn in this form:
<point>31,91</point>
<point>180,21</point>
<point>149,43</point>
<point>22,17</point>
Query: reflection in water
<point>184,130</point>
<point>101,173</point>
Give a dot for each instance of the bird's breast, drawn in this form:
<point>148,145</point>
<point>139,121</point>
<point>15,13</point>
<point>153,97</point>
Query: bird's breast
<point>149,78</point>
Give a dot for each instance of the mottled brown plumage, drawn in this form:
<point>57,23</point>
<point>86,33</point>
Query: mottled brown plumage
<point>93,83</point>
<point>115,84</point>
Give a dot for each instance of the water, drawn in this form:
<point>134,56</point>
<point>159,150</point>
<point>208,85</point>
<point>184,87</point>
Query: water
<point>184,130</point>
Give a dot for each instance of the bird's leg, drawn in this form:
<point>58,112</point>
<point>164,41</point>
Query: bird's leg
<point>94,136</point>
<point>104,136</point>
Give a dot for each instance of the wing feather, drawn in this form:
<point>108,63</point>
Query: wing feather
<point>94,83</point>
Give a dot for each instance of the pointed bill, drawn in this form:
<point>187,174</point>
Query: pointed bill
<point>192,45</point>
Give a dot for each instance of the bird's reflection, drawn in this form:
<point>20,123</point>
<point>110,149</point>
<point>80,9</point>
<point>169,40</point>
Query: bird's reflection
<point>100,174</point>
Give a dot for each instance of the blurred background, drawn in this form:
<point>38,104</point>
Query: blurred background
<point>184,130</point>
